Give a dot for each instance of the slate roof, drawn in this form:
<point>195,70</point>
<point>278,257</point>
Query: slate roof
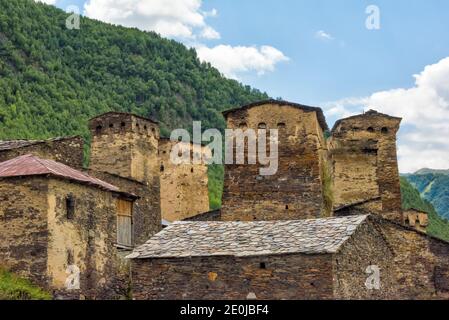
<point>244,239</point>
<point>29,165</point>
<point>369,113</point>
<point>319,111</point>
<point>15,144</point>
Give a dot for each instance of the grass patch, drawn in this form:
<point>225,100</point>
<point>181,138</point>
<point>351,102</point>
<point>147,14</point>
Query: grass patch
<point>15,288</point>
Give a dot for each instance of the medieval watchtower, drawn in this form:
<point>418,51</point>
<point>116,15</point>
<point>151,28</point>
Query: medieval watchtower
<point>296,191</point>
<point>125,145</point>
<point>364,159</point>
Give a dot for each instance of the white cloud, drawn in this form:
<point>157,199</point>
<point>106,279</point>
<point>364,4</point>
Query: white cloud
<point>232,61</point>
<point>323,35</point>
<point>47,1</point>
<point>423,140</point>
<point>174,18</point>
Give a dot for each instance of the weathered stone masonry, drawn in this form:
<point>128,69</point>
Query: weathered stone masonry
<point>184,187</point>
<point>296,190</point>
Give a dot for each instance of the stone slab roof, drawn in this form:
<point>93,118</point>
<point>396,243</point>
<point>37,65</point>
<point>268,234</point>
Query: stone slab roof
<point>367,114</point>
<point>245,239</point>
<point>319,111</point>
<point>16,144</point>
<point>29,165</point>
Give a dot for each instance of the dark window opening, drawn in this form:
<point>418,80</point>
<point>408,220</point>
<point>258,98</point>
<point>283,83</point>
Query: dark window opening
<point>98,129</point>
<point>191,170</point>
<point>145,127</point>
<point>384,130</point>
<point>70,207</point>
<point>153,130</point>
<point>162,168</point>
<point>370,129</point>
<point>123,124</point>
<point>70,259</point>
<point>111,125</point>
<point>263,265</point>
<point>281,125</point>
<point>286,207</point>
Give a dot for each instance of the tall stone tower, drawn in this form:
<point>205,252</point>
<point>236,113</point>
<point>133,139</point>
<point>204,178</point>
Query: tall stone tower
<point>125,145</point>
<point>364,160</point>
<point>298,189</point>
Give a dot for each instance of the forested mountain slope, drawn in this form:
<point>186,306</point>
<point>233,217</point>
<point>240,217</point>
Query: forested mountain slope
<point>52,80</point>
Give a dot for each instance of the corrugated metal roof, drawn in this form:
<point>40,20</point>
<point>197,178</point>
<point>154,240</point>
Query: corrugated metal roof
<point>245,239</point>
<point>29,165</point>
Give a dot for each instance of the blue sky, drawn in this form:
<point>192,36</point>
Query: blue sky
<point>319,53</point>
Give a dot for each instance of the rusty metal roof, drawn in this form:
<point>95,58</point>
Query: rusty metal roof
<point>15,144</point>
<point>29,165</point>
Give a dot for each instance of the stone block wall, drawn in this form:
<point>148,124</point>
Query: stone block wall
<point>364,161</point>
<point>296,190</point>
<point>184,187</point>
<point>23,227</point>
<point>291,277</point>
<point>146,209</point>
<point>125,145</point>
<point>420,263</point>
<point>68,151</point>
<point>354,263</point>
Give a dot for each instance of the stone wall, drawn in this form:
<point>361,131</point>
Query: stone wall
<point>296,190</point>
<point>184,187</point>
<point>87,241</point>
<point>367,247</point>
<point>125,145</point>
<point>146,209</point>
<point>23,227</point>
<point>214,215</point>
<point>420,262</point>
<point>291,277</point>
<point>68,151</point>
<point>364,159</point>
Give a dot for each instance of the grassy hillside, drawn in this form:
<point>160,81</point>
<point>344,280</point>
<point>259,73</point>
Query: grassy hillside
<point>439,227</point>
<point>15,288</point>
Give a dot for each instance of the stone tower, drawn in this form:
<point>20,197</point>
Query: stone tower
<point>125,145</point>
<point>364,160</point>
<point>298,189</point>
<point>184,187</point>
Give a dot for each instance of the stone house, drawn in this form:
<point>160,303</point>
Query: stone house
<point>58,227</point>
<point>304,259</point>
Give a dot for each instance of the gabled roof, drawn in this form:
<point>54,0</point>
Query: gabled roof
<point>123,114</point>
<point>369,113</point>
<point>29,165</point>
<point>319,111</point>
<point>16,144</point>
<point>244,239</point>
